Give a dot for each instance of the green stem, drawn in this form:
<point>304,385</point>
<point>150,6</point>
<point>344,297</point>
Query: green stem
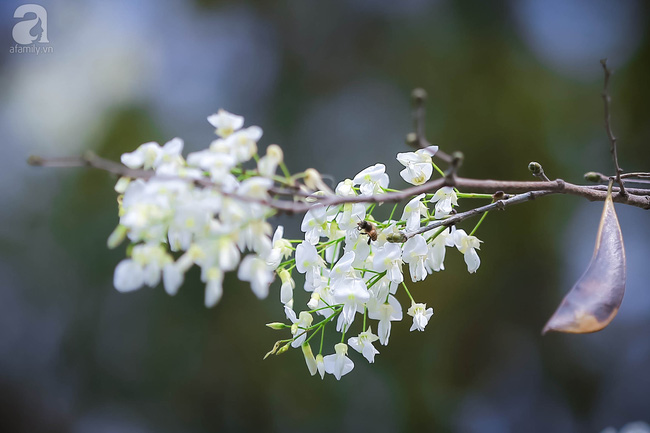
<point>478,223</point>
<point>392,212</point>
<point>436,168</point>
<point>407,292</point>
<point>473,195</point>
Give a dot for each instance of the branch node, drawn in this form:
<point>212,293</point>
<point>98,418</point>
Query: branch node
<point>456,161</point>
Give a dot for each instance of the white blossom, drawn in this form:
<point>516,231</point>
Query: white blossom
<point>413,210</point>
<point>338,364</point>
<point>372,180</point>
<point>386,313</point>
<point>353,294</point>
<point>314,223</point>
<point>415,254</point>
<point>363,344</point>
<point>225,122</point>
<point>421,315</point>
<point>389,258</point>
<point>255,270</point>
<point>300,325</point>
<point>468,245</point>
<point>419,166</point>
<point>437,249</point>
<point>445,198</point>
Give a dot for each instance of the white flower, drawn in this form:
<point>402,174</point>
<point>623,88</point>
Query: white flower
<point>353,294</point>
<point>351,216</point>
<point>389,258</point>
<point>244,142</point>
<point>314,223</point>
<point>419,167</point>
<point>218,164</point>
<point>412,212</point>
<point>213,277</point>
<point>415,254</point>
<point>145,267</point>
<point>343,268</point>
<point>128,276</point>
<point>320,365</point>
<point>286,290</point>
<point>300,325</point>
<point>255,187</point>
<point>421,315</point>
<point>372,180</point>
<point>385,313</point>
<point>338,364</point>
<point>151,155</point>
<point>281,248</point>
<point>444,198</point>
<point>255,270</point>
<point>308,262</point>
<point>436,256</point>
<point>363,344</point>
<point>225,122</point>
<point>357,242</point>
<point>268,164</point>
<point>345,189</point>
<point>468,245</point>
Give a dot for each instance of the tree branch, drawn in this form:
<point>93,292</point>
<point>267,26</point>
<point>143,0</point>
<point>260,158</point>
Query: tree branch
<point>608,127</point>
<point>499,204</point>
<point>592,193</point>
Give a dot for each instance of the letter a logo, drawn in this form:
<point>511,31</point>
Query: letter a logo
<point>33,27</point>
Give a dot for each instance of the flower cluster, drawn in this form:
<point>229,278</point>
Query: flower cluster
<point>205,210</point>
<point>211,210</point>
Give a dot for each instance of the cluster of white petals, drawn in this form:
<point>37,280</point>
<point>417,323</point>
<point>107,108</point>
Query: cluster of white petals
<point>211,210</point>
<point>174,223</point>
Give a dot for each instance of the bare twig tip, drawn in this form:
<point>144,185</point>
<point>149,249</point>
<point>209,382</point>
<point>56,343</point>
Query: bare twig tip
<point>35,160</point>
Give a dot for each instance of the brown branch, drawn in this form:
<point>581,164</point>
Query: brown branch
<point>499,204</point>
<point>608,127</point>
<point>592,193</point>
<point>419,97</point>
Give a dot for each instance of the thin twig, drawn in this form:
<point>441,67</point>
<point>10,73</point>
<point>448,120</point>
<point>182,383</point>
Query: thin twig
<point>608,126</point>
<point>419,120</point>
<point>499,204</point>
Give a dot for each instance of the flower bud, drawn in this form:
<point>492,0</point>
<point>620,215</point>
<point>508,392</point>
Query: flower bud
<point>277,325</point>
<point>320,365</point>
<point>419,95</point>
<point>535,168</point>
<point>309,358</point>
<point>396,238</point>
<point>313,302</point>
<point>412,139</point>
<point>592,176</point>
<point>122,184</point>
<point>283,349</point>
<point>117,237</point>
<point>314,180</point>
<point>274,152</point>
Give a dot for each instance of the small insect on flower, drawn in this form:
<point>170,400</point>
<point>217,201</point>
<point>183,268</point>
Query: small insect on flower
<point>369,229</point>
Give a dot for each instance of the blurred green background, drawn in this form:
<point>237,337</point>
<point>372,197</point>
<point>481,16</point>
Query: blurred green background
<point>509,82</point>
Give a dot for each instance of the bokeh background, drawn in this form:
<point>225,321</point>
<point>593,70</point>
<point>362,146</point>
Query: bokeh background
<point>509,82</point>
